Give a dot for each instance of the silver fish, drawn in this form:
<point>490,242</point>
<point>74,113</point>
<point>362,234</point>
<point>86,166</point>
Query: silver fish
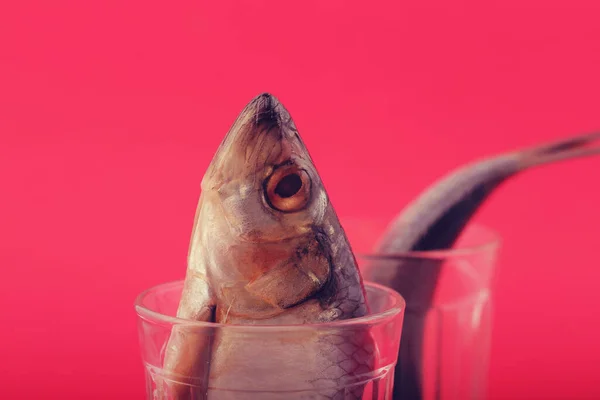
<point>267,249</point>
<point>434,221</point>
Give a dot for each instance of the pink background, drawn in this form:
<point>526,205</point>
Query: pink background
<point>111,110</point>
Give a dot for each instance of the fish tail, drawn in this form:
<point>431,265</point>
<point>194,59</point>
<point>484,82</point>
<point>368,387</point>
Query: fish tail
<point>576,147</point>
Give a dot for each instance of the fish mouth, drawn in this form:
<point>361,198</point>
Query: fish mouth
<point>262,125</point>
<point>266,112</point>
<point>265,109</point>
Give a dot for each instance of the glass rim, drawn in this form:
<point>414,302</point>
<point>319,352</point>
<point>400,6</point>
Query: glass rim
<point>397,308</point>
<point>492,242</point>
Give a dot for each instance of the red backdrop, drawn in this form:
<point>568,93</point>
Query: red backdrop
<point>111,110</point>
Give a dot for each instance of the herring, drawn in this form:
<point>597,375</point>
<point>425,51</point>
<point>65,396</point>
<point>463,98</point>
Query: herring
<point>434,221</point>
<point>267,248</point>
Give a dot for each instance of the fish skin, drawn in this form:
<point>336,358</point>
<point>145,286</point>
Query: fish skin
<point>434,221</point>
<point>251,263</point>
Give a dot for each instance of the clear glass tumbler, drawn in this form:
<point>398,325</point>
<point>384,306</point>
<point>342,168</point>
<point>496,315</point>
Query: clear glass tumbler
<point>447,328</point>
<point>272,372</point>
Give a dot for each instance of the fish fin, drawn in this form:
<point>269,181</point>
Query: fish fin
<point>187,354</point>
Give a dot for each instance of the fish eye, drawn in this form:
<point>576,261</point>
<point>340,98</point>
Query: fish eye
<point>288,189</point>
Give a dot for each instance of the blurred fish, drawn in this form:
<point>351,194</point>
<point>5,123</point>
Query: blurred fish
<point>434,221</point>
<point>267,249</point>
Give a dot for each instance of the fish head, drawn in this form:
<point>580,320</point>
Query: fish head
<point>266,237</point>
<point>263,177</point>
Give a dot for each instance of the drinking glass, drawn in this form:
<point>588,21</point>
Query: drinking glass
<point>447,327</point>
<point>273,346</point>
